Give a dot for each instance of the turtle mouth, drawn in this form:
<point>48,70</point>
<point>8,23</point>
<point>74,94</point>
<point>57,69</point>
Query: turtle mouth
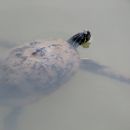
<point>86,44</point>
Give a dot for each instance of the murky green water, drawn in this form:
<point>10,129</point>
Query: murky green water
<point>88,101</point>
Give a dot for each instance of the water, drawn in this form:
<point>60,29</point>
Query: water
<point>88,101</point>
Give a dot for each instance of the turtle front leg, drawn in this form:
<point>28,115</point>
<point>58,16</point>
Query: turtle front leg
<point>11,120</point>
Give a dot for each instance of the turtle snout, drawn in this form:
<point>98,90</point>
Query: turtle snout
<point>87,36</point>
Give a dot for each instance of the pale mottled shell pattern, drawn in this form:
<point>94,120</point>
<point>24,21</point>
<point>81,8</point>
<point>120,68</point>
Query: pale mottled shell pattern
<point>43,64</point>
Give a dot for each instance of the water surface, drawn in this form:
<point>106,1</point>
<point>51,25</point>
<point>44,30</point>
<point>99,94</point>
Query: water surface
<point>88,101</point>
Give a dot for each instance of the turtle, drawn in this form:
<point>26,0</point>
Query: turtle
<point>41,66</point>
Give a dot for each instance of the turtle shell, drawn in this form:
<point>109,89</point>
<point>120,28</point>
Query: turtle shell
<point>39,67</point>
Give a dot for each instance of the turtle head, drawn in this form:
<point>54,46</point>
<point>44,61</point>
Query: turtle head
<point>80,39</point>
